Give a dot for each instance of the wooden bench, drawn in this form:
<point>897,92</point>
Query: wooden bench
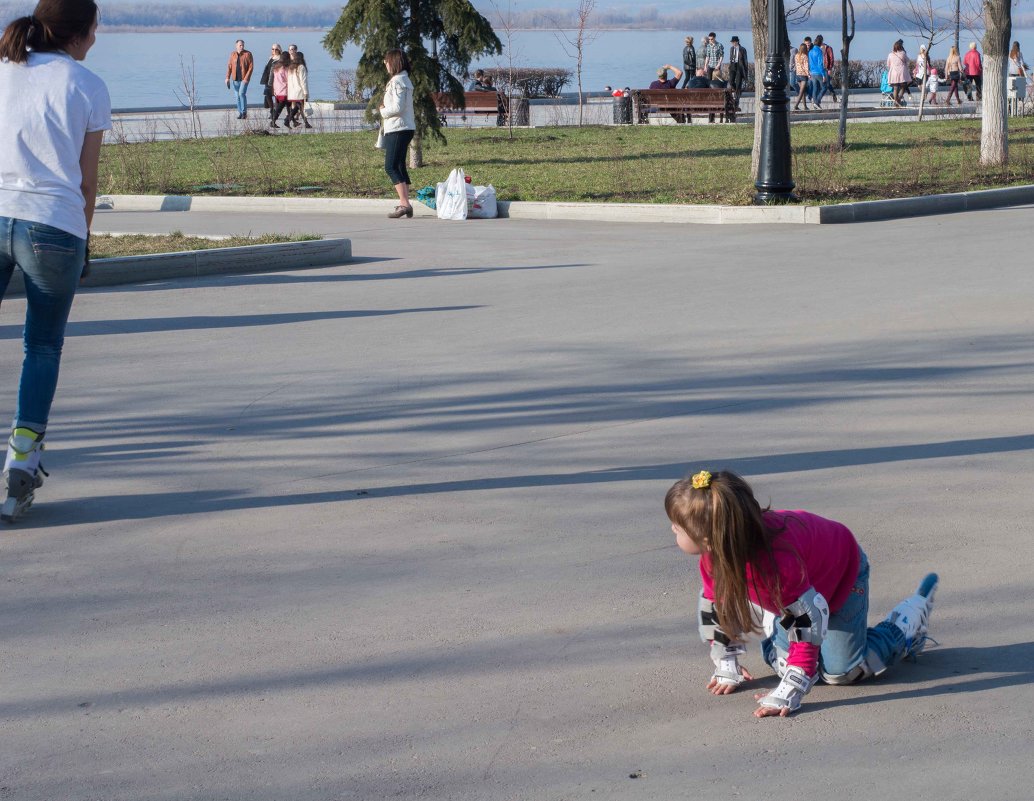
<point>682,104</point>
<point>477,104</point>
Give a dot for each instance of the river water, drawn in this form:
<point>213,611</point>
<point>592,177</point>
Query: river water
<point>145,70</point>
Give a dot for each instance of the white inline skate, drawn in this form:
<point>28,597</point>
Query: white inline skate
<point>23,473</point>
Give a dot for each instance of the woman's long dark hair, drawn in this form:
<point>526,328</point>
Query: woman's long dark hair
<point>53,25</point>
<point>725,520</point>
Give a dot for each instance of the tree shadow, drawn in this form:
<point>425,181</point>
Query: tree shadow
<point>284,278</point>
<point>213,322</point>
<point>142,506</point>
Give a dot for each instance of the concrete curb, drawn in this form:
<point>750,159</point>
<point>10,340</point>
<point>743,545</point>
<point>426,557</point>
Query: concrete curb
<point>215,261</point>
<point>865,211</point>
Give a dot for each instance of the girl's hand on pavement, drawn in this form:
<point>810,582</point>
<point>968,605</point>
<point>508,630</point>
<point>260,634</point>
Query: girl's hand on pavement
<point>768,711</point>
<point>715,687</point>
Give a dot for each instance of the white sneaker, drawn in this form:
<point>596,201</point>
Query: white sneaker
<point>912,616</point>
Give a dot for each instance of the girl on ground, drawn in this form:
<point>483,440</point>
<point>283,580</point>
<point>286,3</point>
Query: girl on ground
<point>953,69</point>
<point>55,115</point>
<point>807,573</point>
<point>398,124</point>
<point>800,67</point>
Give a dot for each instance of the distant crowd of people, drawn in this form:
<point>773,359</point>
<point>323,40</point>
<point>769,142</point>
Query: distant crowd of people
<point>704,69</point>
<point>811,72</point>
<point>285,83</point>
<point>965,72</point>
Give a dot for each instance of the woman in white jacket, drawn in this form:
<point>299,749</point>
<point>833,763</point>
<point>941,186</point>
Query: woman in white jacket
<point>297,90</point>
<point>398,125</point>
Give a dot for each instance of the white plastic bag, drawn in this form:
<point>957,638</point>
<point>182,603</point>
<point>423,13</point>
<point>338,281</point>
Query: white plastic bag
<point>451,197</point>
<point>481,202</point>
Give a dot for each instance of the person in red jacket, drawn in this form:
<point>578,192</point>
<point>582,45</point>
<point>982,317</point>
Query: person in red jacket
<point>974,67</point>
<point>829,59</point>
<point>238,73</point>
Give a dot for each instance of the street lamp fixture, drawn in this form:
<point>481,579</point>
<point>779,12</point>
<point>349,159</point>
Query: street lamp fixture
<point>775,168</point>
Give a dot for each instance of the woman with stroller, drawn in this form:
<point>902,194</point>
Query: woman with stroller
<point>897,72</point>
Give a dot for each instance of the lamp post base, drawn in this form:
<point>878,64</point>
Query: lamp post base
<point>775,183</point>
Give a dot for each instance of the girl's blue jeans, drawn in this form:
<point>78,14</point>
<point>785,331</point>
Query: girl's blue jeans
<point>51,261</point>
<point>849,640</point>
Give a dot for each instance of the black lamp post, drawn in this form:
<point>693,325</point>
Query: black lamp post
<point>775,169</point>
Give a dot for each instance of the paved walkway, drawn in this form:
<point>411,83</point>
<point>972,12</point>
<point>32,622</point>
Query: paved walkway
<point>134,126</point>
<point>394,529</point>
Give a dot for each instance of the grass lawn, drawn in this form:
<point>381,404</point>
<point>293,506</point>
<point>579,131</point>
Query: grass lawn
<point>645,164</point>
<point>105,246</point>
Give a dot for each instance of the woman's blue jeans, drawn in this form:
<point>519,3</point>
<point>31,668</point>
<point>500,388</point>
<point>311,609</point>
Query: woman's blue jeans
<point>51,261</point>
<point>849,640</point>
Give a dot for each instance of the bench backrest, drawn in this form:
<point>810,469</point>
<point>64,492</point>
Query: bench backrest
<point>676,96</point>
<point>473,101</point>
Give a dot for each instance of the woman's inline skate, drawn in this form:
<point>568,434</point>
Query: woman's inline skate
<point>23,473</point>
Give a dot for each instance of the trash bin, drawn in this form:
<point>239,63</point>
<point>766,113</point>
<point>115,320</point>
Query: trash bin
<point>622,111</point>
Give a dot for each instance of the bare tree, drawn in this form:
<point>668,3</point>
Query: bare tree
<point>847,31</point>
<point>759,30</point>
<point>575,41</point>
<point>925,17</point>
<point>188,94</point>
<point>994,124</point>
<point>506,21</point>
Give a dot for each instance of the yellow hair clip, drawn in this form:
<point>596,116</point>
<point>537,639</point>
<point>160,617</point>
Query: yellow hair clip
<point>702,480</point>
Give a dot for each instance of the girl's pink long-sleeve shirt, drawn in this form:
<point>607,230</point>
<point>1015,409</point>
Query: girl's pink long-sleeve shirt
<point>280,82</point>
<point>809,551</point>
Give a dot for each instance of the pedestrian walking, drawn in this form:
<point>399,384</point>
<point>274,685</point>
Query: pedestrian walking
<point>55,115</point>
<point>953,69</point>
<point>933,84</point>
<point>800,71</point>
<point>398,124</point>
<point>829,61</point>
<point>689,61</point>
<point>897,72</point>
<point>973,65</point>
<point>817,73</point>
<point>267,77</point>
<point>713,56</point>
<point>278,81</point>
<point>806,573</point>
<point>737,69</point>
<point>238,75</point>
<point>297,90</point>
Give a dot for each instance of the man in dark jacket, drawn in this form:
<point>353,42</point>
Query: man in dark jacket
<point>737,69</point>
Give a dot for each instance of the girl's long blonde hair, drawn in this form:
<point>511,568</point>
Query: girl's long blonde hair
<point>725,520</point>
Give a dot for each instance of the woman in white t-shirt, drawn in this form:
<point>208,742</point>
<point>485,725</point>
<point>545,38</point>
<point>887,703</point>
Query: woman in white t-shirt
<point>55,115</point>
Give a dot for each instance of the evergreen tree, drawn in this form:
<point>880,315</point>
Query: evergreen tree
<point>454,29</point>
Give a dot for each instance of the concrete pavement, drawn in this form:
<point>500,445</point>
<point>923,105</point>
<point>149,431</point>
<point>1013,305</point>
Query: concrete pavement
<point>394,529</point>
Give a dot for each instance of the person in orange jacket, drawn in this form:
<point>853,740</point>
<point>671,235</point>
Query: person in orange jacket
<point>238,74</point>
